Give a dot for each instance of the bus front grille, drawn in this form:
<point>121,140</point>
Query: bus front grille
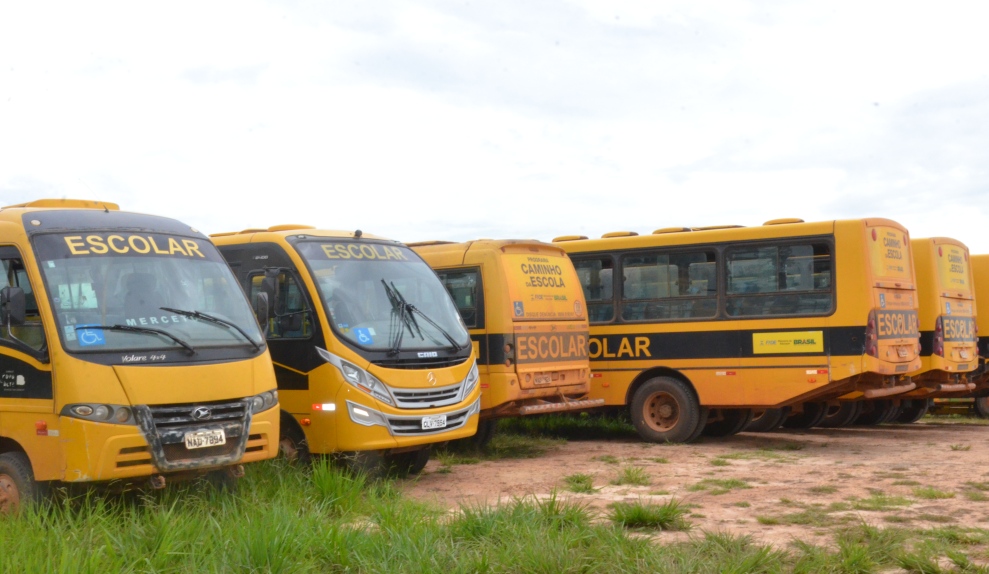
<point>426,398</point>
<point>166,426</point>
<point>412,426</point>
<point>431,363</point>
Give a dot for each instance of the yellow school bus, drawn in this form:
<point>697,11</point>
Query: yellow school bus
<point>949,352</point>
<point>372,360</point>
<point>127,351</point>
<point>977,402</point>
<point>694,328</point>
<point>524,308</point>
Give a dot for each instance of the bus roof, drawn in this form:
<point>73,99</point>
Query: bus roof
<point>284,230</point>
<point>775,228</point>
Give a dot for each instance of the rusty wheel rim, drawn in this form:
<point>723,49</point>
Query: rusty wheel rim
<point>661,412</point>
<point>10,496</point>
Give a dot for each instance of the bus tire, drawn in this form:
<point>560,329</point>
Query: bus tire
<point>406,464</point>
<point>369,463</point>
<point>767,420</point>
<point>485,432</point>
<point>981,406</point>
<point>812,416</point>
<point>875,412</point>
<point>222,480</point>
<point>842,416</point>
<point>18,488</point>
<point>732,422</point>
<point>701,423</point>
<point>913,410</point>
<point>292,443</point>
<point>665,410</point>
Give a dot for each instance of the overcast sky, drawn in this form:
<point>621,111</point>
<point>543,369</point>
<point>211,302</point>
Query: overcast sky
<point>503,119</point>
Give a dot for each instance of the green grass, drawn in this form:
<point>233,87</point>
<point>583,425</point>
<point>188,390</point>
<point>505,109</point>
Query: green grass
<point>580,483</point>
<point>668,516</point>
<point>718,486</point>
<point>880,502</point>
<point>284,520</point>
<point>931,493</point>
<point>632,475</point>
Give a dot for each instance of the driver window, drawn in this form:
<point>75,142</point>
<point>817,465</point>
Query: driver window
<point>32,332</point>
<point>290,318</point>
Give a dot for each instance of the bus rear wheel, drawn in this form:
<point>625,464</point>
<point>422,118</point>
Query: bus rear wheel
<point>842,415</point>
<point>767,420</point>
<point>811,416</point>
<point>982,407</point>
<point>913,410</point>
<point>665,410</point>
<point>875,412</point>
<point>17,485</point>
<point>730,422</point>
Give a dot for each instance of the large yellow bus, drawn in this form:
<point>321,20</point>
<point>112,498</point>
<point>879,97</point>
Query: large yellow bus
<point>947,308</point>
<point>373,362</point>
<point>127,352</point>
<point>524,308</point>
<point>977,402</point>
<point>693,328</point>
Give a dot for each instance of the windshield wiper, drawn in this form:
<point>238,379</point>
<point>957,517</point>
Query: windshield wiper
<point>408,312</point>
<point>215,320</point>
<point>397,312</point>
<point>146,330</point>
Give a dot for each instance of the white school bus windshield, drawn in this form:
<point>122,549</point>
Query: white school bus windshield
<point>118,291</point>
<point>383,297</point>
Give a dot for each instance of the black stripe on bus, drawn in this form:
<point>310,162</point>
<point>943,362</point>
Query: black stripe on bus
<point>20,380</point>
<point>838,341</point>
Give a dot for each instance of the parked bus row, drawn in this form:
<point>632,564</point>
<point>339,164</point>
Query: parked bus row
<point>135,349</point>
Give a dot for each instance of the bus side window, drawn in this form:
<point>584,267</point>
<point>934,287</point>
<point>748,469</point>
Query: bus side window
<point>462,286</point>
<point>779,280</point>
<point>597,279</point>
<point>291,318</point>
<point>32,332</point>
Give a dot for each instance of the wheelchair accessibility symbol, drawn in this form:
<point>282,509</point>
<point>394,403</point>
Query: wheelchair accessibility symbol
<point>90,337</point>
<point>364,336</point>
<point>519,308</point>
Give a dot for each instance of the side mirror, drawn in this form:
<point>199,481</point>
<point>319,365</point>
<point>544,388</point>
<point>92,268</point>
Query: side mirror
<point>262,309</point>
<point>12,306</point>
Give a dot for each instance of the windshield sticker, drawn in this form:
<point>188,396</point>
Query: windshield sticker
<point>363,336</point>
<point>70,332</point>
<point>362,251</point>
<point>90,337</point>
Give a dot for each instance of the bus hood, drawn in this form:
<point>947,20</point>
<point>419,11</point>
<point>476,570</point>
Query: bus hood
<point>156,385</point>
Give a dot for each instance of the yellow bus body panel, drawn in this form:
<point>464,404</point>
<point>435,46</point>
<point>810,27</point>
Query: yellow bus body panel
<point>70,449</point>
<point>872,274</point>
<point>946,293</point>
<point>532,303</point>
<point>331,431</point>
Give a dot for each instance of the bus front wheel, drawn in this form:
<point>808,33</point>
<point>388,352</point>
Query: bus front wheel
<point>665,410</point>
<point>17,485</point>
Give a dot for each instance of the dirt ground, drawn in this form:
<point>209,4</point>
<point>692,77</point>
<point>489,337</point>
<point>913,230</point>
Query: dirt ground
<point>775,487</point>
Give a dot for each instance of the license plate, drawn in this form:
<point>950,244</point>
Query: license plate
<point>203,439</point>
<point>542,379</point>
<point>434,422</point>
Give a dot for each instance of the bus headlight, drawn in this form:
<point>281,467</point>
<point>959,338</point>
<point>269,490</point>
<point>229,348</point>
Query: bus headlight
<point>358,377</point>
<point>471,381</point>
<point>264,401</point>
<point>100,413</point>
